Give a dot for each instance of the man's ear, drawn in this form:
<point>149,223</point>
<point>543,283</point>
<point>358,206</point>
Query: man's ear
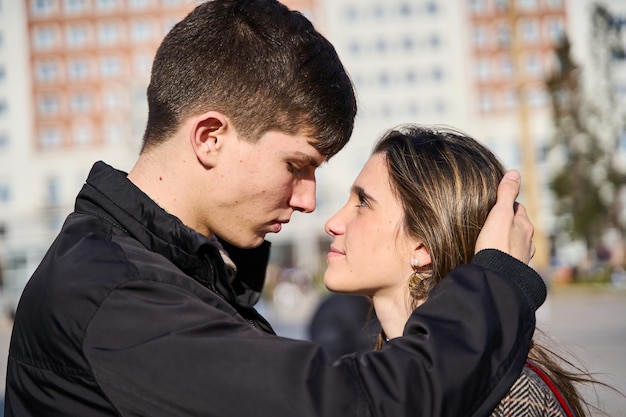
<point>421,254</point>
<point>207,135</point>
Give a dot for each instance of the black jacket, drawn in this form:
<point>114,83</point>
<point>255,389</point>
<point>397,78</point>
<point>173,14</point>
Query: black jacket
<point>130,313</point>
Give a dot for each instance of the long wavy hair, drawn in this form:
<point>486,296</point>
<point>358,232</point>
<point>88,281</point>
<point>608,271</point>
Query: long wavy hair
<point>447,182</point>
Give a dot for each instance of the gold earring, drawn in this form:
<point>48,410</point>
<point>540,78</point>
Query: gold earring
<point>417,283</point>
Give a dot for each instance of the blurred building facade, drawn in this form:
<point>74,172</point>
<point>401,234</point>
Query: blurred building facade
<point>73,75</point>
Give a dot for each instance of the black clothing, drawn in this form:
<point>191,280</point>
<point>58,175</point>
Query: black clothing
<point>131,313</point>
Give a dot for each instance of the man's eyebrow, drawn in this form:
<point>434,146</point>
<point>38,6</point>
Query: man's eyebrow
<point>358,190</point>
<point>308,158</point>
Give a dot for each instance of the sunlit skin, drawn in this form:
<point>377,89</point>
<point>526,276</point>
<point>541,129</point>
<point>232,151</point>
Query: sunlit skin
<point>371,252</point>
<point>242,189</point>
<point>267,181</point>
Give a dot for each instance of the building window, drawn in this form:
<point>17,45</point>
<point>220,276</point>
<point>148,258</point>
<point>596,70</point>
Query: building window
<point>408,44</point>
<point>477,6</point>
<point>554,4</point>
<point>141,31</point>
<point>434,41</point>
<point>530,31</point>
<point>113,99</point>
<point>3,73</point>
<point>42,7</point>
<point>527,4</point>
<point>533,66</point>
<point>432,7</point>
<point>405,9</point>
<point>537,97</point>
<point>354,47</point>
<point>106,5</point>
<point>379,11</point>
<point>510,99</point>
<point>53,194</point>
<point>480,37</point>
<point>77,35</point>
<point>50,137</point>
<point>44,37</point>
<point>80,102</point>
<point>383,79</point>
<point>485,102</point>
<point>110,66</point>
<point>5,193</point>
<point>79,69</point>
<point>4,107</point>
<point>47,71</point>
<point>139,4</point>
<point>49,105</point>
<point>437,74</point>
<point>351,13</point>
<point>501,5</point>
<point>75,6</point>
<point>483,70</point>
<point>507,70</point>
<point>504,36</point>
<point>410,77</point>
<point>4,140</point>
<point>115,131</point>
<point>109,33</point>
<point>381,46</point>
<point>168,24</point>
<point>82,133</point>
<point>142,63</point>
<point>555,29</point>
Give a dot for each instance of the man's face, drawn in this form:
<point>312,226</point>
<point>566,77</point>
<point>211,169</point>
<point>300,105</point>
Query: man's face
<point>263,183</point>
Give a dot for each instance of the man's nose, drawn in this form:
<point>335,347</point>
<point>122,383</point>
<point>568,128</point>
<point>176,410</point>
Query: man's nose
<point>303,196</point>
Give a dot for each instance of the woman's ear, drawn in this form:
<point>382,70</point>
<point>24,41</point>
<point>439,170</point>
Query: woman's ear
<point>207,135</point>
<point>421,255</point>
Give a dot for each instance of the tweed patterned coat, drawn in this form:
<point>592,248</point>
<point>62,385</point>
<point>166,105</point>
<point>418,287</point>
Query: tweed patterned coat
<point>532,396</point>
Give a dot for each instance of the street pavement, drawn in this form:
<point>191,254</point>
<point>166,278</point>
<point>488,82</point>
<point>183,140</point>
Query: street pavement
<point>589,323</point>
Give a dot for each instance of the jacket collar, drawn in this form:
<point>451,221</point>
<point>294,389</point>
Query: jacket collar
<point>130,209</point>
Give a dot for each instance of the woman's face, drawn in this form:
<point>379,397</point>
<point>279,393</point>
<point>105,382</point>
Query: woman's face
<point>371,252</point>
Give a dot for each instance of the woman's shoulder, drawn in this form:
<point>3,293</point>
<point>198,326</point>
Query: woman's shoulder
<point>531,396</point>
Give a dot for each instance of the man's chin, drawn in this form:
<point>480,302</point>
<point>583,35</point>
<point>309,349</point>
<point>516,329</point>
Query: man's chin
<point>251,243</point>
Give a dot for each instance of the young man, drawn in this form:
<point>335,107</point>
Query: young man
<point>138,310</point>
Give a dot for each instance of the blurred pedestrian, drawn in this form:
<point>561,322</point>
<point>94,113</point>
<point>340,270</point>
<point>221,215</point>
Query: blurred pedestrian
<point>344,324</point>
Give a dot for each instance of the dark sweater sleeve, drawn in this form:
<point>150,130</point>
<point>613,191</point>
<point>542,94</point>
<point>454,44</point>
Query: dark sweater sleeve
<point>526,278</point>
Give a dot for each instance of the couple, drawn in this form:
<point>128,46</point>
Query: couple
<point>144,304</point>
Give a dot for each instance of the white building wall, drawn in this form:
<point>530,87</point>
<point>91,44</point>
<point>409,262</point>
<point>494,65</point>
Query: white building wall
<point>19,172</point>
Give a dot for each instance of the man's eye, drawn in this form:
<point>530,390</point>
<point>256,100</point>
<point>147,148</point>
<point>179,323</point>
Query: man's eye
<point>293,169</point>
<point>362,202</point>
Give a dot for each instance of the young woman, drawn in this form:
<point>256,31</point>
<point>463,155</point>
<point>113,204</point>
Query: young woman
<point>413,215</point>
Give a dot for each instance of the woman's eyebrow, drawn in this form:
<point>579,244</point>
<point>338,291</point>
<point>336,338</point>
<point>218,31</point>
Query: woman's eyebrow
<point>358,190</point>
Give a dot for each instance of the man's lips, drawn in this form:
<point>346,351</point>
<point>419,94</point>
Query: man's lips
<point>277,225</point>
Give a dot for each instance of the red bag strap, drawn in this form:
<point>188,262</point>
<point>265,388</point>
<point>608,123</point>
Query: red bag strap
<point>555,390</point>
